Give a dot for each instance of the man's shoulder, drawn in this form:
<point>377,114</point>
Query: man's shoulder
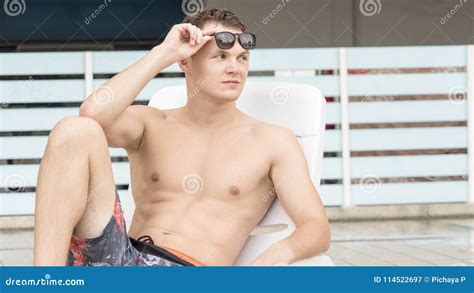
<point>272,133</point>
<point>144,111</point>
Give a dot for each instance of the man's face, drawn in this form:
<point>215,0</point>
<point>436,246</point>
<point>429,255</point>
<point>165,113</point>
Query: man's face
<point>220,73</point>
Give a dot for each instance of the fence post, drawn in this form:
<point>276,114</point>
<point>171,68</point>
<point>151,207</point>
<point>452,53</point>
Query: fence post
<point>346,166</point>
<point>470,118</point>
<point>88,73</point>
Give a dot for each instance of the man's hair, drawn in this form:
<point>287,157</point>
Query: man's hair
<point>212,14</point>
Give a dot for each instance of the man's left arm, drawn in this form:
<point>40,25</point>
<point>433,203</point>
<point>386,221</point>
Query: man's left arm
<point>299,198</point>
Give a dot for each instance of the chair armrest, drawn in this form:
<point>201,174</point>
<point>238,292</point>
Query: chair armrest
<point>321,260</point>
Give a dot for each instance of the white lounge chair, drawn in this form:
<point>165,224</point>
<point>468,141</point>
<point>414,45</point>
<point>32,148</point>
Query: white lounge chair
<point>298,107</point>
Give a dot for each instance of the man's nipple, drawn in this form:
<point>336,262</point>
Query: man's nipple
<point>155,177</point>
<point>234,190</point>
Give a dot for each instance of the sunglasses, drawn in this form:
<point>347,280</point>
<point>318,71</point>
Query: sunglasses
<point>226,40</point>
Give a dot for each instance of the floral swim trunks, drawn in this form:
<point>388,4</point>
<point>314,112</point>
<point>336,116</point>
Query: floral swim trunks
<point>115,248</point>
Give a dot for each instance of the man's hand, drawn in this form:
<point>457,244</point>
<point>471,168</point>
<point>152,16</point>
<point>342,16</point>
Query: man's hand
<point>278,254</point>
<point>186,39</point>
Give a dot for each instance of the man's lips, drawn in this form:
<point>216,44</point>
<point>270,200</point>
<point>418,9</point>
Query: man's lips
<point>231,81</point>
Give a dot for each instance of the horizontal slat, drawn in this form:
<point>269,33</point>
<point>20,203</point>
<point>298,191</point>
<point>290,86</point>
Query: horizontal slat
<point>332,140</point>
<point>331,194</point>
<point>409,193</point>
<point>408,166</point>
<point>404,57</point>
<point>398,166</point>
<point>24,203</point>
<point>36,119</point>
<point>151,88</point>
<point>360,139</point>
<point>41,91</point>
<point>294,59</point>
<point>333,113</point>
<point>23,176</point>
<point>327,84</point>
<point>407,111</point>
<point>408,138</point>
<point>26,175</point>
<point>41,63</point>
<point>404,84</point>
<point>32,147</point>
<point>260,60</point>
<point>331,168</point>
<point>114,62</point>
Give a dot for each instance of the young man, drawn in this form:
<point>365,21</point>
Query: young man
<point>203,175</point>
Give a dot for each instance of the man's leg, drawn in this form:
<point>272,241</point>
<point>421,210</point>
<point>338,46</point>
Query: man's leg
<point>75,190</point>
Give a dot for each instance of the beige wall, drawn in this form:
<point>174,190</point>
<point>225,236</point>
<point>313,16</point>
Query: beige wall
<point>341,23</point>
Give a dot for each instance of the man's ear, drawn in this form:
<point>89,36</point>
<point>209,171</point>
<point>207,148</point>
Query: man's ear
<point>185,65</point>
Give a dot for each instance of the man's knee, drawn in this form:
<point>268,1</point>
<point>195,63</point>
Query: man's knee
<point>71,130</point>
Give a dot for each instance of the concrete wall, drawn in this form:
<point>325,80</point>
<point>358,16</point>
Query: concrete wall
<point>335,23</point>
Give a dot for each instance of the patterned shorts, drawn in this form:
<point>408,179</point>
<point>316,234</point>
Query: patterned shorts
<point>115,248</point>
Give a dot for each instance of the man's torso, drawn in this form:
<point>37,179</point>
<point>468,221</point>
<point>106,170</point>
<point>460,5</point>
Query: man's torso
<point>197,191</point>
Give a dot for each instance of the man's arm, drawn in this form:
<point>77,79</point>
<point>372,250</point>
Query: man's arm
<point>298,196</point>
<point>110,104</point>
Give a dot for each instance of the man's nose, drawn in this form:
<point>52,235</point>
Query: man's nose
<point>232,66</point>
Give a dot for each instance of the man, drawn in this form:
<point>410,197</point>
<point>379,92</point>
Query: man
<point>202,175</point>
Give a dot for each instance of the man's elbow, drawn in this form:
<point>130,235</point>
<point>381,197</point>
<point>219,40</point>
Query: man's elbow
<point>325,237</point>
<point>328,239</point>
<point>85,110</point>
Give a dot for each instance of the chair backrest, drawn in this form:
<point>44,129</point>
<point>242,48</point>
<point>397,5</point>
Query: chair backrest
<point>299,107</point>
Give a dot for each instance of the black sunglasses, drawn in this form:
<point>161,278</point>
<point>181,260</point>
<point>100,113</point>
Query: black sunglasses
<point>226,40</point>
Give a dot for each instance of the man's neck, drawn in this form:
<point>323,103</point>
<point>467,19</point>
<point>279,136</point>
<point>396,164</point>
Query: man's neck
<point>208,114</point>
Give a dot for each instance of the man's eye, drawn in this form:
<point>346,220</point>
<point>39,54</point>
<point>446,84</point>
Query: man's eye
<point>243,57</point>
<point>221,56</point>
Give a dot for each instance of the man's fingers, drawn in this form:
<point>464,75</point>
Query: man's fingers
<point>199,37</point>
<point>209,32</point>
<point>195,35</point>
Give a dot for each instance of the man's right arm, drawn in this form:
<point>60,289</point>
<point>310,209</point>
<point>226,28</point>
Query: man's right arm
<point>110,104</point>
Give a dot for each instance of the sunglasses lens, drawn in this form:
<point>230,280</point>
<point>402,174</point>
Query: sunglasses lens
<point>225,40</point>
<point>247,40</point>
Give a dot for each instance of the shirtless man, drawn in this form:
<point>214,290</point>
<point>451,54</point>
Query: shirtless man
<point>202,175</point>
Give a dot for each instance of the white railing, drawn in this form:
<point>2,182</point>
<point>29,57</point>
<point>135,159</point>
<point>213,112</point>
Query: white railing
<point>410,147</point>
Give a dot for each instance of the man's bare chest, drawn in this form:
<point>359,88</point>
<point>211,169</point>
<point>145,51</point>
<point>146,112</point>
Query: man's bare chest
<point>223,164</point>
